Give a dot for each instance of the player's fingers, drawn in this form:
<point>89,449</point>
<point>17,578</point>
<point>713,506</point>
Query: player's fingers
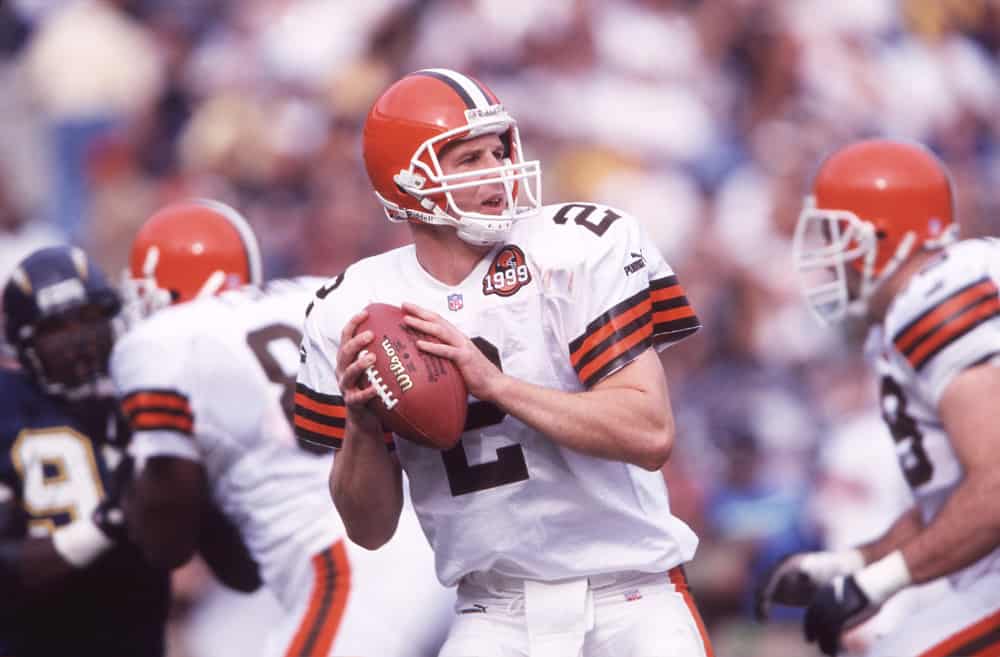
<point>352,325</point>
<point>348,353</point>
<point>351,376</point>
<point>359,396</point>
<point>420,311</point>
<point>439,331</point>
<point>437,349</point>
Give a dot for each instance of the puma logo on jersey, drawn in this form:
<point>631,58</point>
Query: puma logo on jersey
<point>635,265</point>
<point>474,609</point>
<point>508,272</point>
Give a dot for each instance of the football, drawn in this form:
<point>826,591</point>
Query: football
<point>420,397</point>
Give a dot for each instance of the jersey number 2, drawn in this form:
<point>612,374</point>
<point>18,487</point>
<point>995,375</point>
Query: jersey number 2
<point>509,465</point>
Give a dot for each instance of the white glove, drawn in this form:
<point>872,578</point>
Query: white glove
<point>794,580</point>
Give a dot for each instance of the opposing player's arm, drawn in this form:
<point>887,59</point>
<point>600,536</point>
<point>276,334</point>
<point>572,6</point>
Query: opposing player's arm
<point>366,483</point>
<point>37,567</point>
<point>164,512</point>
<point>968,525</point>
<point>222,547</point>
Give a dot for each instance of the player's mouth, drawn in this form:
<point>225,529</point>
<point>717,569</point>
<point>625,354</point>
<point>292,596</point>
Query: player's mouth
<point>494,204</point>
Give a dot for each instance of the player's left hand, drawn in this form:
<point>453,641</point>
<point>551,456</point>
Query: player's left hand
<point>837,606</point>
<point>481,376</point>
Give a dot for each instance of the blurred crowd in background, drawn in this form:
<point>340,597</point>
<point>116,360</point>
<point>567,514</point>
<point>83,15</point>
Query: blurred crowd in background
<point>704,118</point>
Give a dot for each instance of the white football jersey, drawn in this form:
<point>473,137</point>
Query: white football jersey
<point>205,381</point>
<point>944,321</point>
<point>574,294</point>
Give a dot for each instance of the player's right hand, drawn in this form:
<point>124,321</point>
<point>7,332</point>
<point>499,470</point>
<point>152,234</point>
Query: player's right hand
<point>351,365</point>
<point>794,580</point>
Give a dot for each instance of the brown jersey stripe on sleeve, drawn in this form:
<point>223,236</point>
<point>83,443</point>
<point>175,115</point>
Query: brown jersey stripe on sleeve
<point>616,355</point>
<point>153,421</point>
<point>907,338</point>
<point>156,398</point>
<point>610,323</point>
<point>954,328</point>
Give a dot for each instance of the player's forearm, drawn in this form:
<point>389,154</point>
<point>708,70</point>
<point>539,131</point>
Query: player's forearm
<point>367,488</point>
<point>620,424</point>
<point>966,529</point>
<point>31,567</point>
<point>905,527</point>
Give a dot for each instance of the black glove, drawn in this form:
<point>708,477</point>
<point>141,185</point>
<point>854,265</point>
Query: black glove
<point>837,606</point>
<point>109,516</point>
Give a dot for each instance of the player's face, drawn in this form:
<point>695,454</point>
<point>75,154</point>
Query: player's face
<point>485,152</point>
<point>75,350</point>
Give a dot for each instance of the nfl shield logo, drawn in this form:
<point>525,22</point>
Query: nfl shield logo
<point>455,302</point>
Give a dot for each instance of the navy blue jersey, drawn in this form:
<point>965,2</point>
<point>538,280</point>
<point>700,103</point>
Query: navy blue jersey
<point>55,466</point>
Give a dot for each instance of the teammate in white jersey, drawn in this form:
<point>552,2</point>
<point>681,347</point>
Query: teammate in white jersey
<point>207,385</point>
<point>876,239</point>
<point>551,514</point>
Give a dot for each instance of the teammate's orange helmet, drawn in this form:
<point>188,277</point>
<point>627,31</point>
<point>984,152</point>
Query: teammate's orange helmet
<point>187,250</point>
<point>871,204</point>
<point>404,133</point>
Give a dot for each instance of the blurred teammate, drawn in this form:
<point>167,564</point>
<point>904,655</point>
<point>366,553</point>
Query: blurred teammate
<point>877,240</point>
<point>207,384</point>
<point>71,583</point>
<point>551,515</point>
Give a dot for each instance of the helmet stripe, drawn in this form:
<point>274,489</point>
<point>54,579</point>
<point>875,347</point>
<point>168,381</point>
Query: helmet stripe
<point>472,93</point>
<point>246,233</point>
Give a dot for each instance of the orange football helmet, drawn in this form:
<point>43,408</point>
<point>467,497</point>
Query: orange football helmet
<point>872,203</point>
<point>404,134</point>
<point>188,250</point>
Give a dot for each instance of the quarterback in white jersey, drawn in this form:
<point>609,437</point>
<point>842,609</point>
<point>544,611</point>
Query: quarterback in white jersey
<point>881,223</point>
<point>207,386</point>
<point>556,527</point>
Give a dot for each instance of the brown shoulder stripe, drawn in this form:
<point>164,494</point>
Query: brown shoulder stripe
<point>158,409</point>
<point>954,317</point>
<point>673,317</point>
<point>614,338</point>
<point>319,419</point>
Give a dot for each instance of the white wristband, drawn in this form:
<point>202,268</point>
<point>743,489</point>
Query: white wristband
<point>884,578</point>
<point>80,542</point>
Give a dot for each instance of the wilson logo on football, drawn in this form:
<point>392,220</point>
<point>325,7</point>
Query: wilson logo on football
<point>508,272</point>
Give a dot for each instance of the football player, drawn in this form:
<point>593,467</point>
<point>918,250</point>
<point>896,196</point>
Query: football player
<point>72,584</point>
<point>877,240</point>
<point>551,514</point>
<point>207,381</point>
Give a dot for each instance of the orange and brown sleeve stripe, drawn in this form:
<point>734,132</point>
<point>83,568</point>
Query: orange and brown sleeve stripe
<point>327,603</point>
<point>955,316</point>
<point>158,409</point>
<point>320,419</point>
<point>659,313</point>
<point>981,639</point>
